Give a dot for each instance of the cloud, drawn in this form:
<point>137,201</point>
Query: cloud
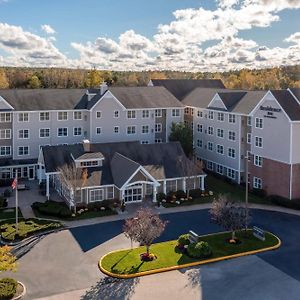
<point>293,38</point>
<point>48,29</point>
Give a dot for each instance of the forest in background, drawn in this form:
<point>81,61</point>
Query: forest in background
<point>273,78</point>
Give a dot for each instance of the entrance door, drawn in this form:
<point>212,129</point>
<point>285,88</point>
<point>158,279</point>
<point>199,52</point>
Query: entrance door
<point>31,173</point>
<point>133,194</point>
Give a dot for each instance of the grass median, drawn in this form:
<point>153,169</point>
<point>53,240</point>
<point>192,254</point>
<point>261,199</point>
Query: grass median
<point>128,262</point>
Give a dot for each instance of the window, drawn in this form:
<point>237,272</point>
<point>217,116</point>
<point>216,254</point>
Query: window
<point>199,114</point>
<point>231,152</point>
<point>257,160</point>
<point>259,123</point>
<point>220,117</point>
<point>230,173</point>
<point>77,115</point>
<point>89,163</point>
<point>192,111</point>
<point>158,127</point>
<point>199,143</point>
<point>131,114</point>
<point>98,130</point>
<point>44,116</point>
<point>23,150</point>
<point>5,134</point>
<point>110,192</point>
<point>211,115</point>
<point>231,135</point>
<point>220,149</point>
<point>210,166</point>
<point>175,112</point>
<point>158,141</point>
<point>130,129</point>
<point>248,138</point>
<point>158,113</point>
<point>23,134</point>
<point>116,114</point>
<point>144,142</point>
<point>220,169</point>
<point>145,129</point>
<point>145,114</point>
<point>220,132</point>
<point>249,121</point>
<point>199,127</point>
<point>210,146</point>
<point>98,114</point>
<point>77,131</point>
<point>257,183</point>
<point>23,117</point>
<point>231,118</point>
<point>96,195</point>
<point>62,116</point>
<point>210,130</point>
<point>116,129</point>
<point>186,110</point>
<point>44,132</point>
<point>5,117</point>
<point>5,150</point>
<point>171,185</point>
<point>258,142</point>
<point>62,131</point>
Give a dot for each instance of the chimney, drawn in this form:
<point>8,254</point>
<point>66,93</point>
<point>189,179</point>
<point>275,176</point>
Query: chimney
<point>86,145</point>
<point>89,95</point>
<point>103,88</point>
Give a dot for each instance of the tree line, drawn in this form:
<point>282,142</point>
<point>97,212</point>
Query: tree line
<point>273,78</point>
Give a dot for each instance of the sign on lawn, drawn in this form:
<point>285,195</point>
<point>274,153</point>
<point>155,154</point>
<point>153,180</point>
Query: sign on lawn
<point>259,233</point>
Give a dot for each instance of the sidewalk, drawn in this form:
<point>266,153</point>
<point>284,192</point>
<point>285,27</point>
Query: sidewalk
<point>163,210</point>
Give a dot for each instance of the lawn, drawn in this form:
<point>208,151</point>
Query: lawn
<point>9,213</point>
<point>218,186</point>
<point>128,261</point>
<point>26,228</point>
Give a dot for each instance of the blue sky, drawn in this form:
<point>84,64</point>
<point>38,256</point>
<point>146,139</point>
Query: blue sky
<point>87,33</point>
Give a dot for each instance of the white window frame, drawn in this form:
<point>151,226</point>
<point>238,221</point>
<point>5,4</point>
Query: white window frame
<point>98,130</point>
<point>210,130</point>
<point>5,117</point>
<point>210,144</point>
<point>249,121</point>
<point>118,129</point>
<point>116,114</point>
<point>145,142</point>
<point>62,116</point>
<point>93,194</point>
<point>131,114</point>
<point>158,113</point>
<point>175,112</point>
<point>231,153</point>
<point>145,114</point>
<point>158,141</point>
<point>211,115</point>
<point>45,136</point>
<point>23,147</point>
<point>258,142</point>
<point>219,168</point>
<point>231,173</point>
<point>5,134</point>
<point>231,118</point>
<point>76,128</point>
<point>249,138</point>
<point>259,123</point>
<point>221,117</point>
<point>220,130</point>
<point>77,115</point>
<point>220,149</point>
<point>145,127</point>
<point>44,114</point>
<point>200,114</point>
<point>22,132</point>
<point>231,135</point>
<point>158,127</point>
<point>257,183</point>
<point>258,160</point>
<point>98,114</point>
<point>23,117</point>
<point>210,165</point>
<point>5,148</point>
<point>200,128</point>
<point>63,129</point>
<point>130,131</point>
<point>199,143</point>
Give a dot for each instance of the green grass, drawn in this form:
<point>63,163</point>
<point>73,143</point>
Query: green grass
<point>9,213</point>
<point>26,228</point>
<point>128,261</point>
<point>218,186</point>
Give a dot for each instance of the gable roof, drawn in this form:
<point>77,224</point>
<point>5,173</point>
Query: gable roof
<point>42,99</point>
<point>231,98</point>
<point>121,160</point>
<point>288,103</point>
<point>296,92</point>
<point>180,88</point>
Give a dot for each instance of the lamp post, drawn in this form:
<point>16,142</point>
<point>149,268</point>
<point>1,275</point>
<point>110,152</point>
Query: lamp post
<point>246,192</point>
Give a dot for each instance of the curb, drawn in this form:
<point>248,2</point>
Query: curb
<point>193,264</point>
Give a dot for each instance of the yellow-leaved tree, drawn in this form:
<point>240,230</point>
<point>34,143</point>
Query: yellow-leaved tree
<point>7,260</point>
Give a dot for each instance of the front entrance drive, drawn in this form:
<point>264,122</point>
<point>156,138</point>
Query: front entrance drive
<point>66,262</point>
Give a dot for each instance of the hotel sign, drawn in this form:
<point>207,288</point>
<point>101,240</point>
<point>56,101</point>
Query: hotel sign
<point>270,111</point>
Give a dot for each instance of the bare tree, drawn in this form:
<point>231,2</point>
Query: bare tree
<point>191,169</point>
<point>73,178</point>
<point>144,227</point>
<point>229,215</point>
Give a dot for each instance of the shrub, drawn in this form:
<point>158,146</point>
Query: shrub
<point>278,200</point>
<point>161,196</point>
<point>199,250</point>
<point>8,288</point>
<point>52,208</point>
<point>7,193</point>
<point>259,192</point>
<point>195,193</point>
<point>184,239</point>
<point>180,194</point>
<point>3,202</point>
<point>171,196</point>
<point>5,182</point>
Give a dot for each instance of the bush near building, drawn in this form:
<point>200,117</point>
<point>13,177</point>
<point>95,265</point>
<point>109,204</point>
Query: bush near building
<point>8,288</point>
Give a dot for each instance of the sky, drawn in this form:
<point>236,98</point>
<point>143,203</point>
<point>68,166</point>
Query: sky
<point>184,35</point>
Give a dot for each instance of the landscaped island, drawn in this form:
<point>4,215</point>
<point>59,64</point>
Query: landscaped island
<point>170,256</point>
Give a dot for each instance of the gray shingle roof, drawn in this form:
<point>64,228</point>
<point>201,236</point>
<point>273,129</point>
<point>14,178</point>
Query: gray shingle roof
<point>230,99</point>
<point>90,155</point>
<point>180,88</point>
<point>160,160</point>
<point>42,99</point>
<point>288,103</point>
<point>296,92</point>
<point>200,97</point>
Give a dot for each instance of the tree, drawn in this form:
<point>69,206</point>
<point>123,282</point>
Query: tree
<point>7,260</point>
<point>94,78</point>
<point>229,215</point>
<point>4,84</point>
<point>183,133</point>
<point>144,227</point>
<point>34,82</point>
<point>73,178</point>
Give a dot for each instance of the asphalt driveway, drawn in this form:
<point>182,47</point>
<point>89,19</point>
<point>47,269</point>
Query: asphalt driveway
<point>66,262</point>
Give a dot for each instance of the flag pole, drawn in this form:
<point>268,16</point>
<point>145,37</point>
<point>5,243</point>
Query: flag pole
<point>17,210</point>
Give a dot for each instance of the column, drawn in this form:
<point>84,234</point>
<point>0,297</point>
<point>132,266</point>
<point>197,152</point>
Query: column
<point>154,193</point>
<point>40,173</point>
<point>184,184</point>
<point>164,188</point>
<point>47,187</point>
<point>202,183</point>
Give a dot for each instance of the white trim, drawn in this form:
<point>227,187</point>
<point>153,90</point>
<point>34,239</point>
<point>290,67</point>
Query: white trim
<point>291,164</point>
<point>77,111</point>
<point>23,138</point>
<point>62,136</point>
<point>62,120</point>
<point>23,113</point>
<point>131,134</point>
<point>2,99</point>
<point>108,92</point>
<point>294,96</point>
<point>45,112</point>
<point>44,137</point>
<point>23,151</point>
<point>216,97</point>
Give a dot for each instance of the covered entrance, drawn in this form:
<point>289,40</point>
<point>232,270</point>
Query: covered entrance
<point>133,193</point>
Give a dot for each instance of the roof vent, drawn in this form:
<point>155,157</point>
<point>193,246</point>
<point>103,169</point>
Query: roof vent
<point>86,145</point>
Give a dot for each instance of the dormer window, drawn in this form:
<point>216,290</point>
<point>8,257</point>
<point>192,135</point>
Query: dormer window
<point>89,159</point>
<point>91,163</point>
